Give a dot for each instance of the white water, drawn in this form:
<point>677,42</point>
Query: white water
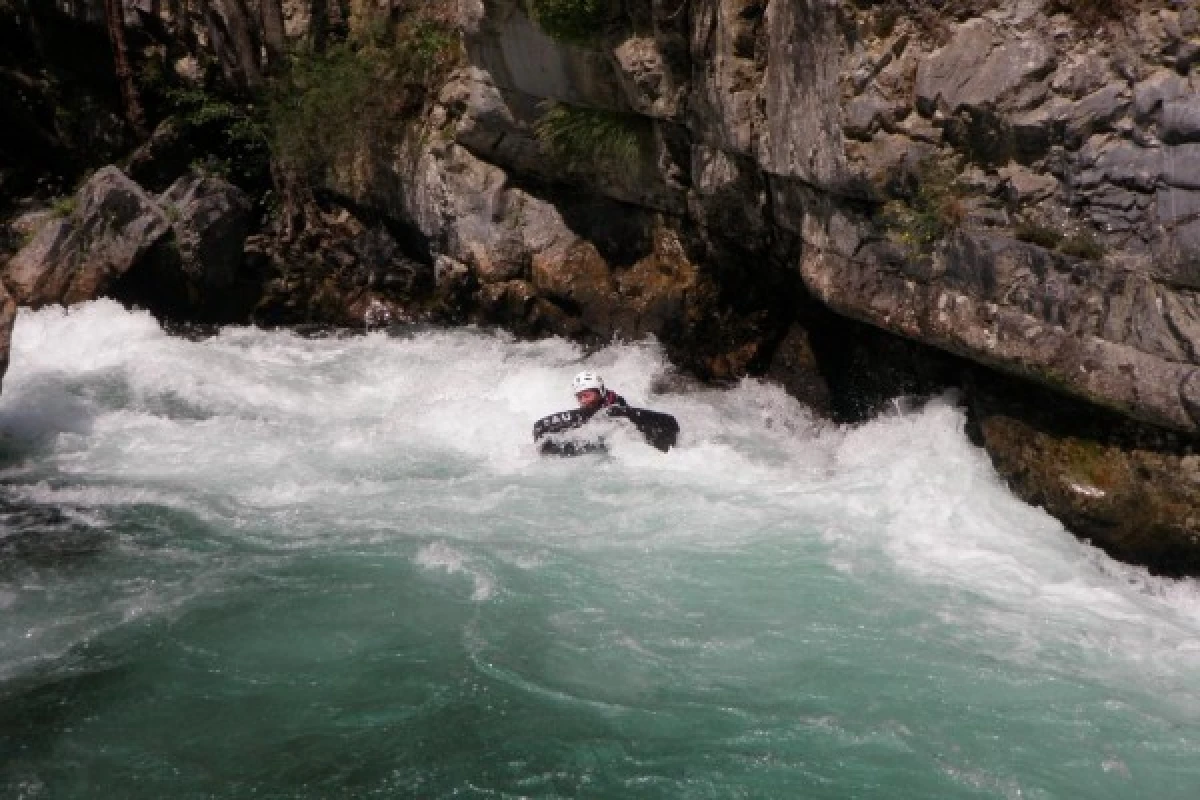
<point>777,606</point>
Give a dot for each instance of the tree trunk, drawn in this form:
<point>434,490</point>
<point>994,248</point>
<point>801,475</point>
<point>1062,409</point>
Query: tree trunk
<point>234,40</point>
<point>273,33</point>
<point>114,11</point>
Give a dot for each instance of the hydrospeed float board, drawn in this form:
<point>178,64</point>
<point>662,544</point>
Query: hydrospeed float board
<point>660,429</point>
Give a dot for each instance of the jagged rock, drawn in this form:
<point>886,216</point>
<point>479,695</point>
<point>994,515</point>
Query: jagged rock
<point>579,278</point>
<point>1150,94</point>
<point>1026,186</point>
<point>210,219</point>
<point>162,158</point>
<point>508,302</point>
<point>794,366</point>
<point>654,291</point>
<point>725,84</point>
<point>114,224</point>
<point>1080,75</point>
<point>1095,113</point>
<point>982,66</point>
<point>865,114</point>
<point>1134,495</point>
<point>1180,121</point>
<point>1083,329</point>
<point>646,78</point>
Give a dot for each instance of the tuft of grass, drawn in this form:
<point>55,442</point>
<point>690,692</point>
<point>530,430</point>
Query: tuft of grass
<point>1082,245</point>
<point>1036,233</point>
<point>64,206</point>
<point>928,205</point>
<point>582,138</point>
<point>577,21</point>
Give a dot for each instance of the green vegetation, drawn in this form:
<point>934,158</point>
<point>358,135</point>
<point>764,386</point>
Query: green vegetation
<point>355,92</point>
<point>234,135</point>
<point>571,20</point>
<point>928,208</point>
<point>1082,245</point>
<point>583,138</point>
<point>1036,233</point>
<point>63,206</point>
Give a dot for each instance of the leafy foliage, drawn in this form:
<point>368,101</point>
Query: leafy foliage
<point>235,134</point>
<point>928,206</point>
<point>571,20</point>
<point>356,91</point>
<point>584,138</point>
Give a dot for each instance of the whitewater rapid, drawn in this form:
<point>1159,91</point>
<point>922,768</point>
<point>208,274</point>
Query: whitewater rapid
<point>338,542</point>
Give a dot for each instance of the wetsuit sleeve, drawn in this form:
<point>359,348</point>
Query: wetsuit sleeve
<point>615,399</point>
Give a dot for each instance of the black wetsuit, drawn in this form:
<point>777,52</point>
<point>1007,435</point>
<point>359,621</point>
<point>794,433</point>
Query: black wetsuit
<point>611,399</point>
<point>659,429</point>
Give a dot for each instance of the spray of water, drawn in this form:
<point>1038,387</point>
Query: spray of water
<point>772,585</point>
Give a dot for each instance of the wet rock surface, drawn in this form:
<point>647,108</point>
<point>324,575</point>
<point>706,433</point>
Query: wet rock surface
<point>1133,492</point>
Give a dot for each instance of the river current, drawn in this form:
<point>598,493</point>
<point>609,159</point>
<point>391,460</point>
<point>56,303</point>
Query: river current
<point>262,565</point>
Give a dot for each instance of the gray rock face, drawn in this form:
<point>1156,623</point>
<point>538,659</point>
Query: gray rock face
<point>1180,121</point>
<point>982,66</point>
<point>75,259</point>
<point>210,219</point>
<point>801,135</point>
<point>521,57</point>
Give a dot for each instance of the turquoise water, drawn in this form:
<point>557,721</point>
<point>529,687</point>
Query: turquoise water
<point>266,566</point>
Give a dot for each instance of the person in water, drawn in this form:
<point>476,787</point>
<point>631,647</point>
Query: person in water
<point>591,394</point>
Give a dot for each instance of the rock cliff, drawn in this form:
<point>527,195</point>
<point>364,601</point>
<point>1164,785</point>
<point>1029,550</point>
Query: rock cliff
<point>855,198</point>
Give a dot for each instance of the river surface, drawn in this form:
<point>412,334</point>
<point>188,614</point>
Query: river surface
<point>261,565</point>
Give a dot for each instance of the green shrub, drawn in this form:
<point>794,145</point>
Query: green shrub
<point>63,206</point>
<point>233,136</point>
<point>928,208</point>
<point>582,138</point>
<point>1036,233</point>
<point>356,91</point>
<point>1082,245</point>
<point>571,20</point>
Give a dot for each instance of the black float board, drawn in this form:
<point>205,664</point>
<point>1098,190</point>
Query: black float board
<point>661,430</point>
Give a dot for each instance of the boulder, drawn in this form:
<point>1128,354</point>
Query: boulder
<point>654,291</point>
<point>210,218</point>
<point>1134,493</point>
<point>794,366</point>
<point>76,258</point>
<point>579,279</point>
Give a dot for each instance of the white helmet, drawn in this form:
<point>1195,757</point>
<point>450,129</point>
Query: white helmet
<point>587,380</point>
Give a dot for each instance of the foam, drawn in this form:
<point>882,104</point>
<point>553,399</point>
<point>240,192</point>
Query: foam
<point>318,442</point>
